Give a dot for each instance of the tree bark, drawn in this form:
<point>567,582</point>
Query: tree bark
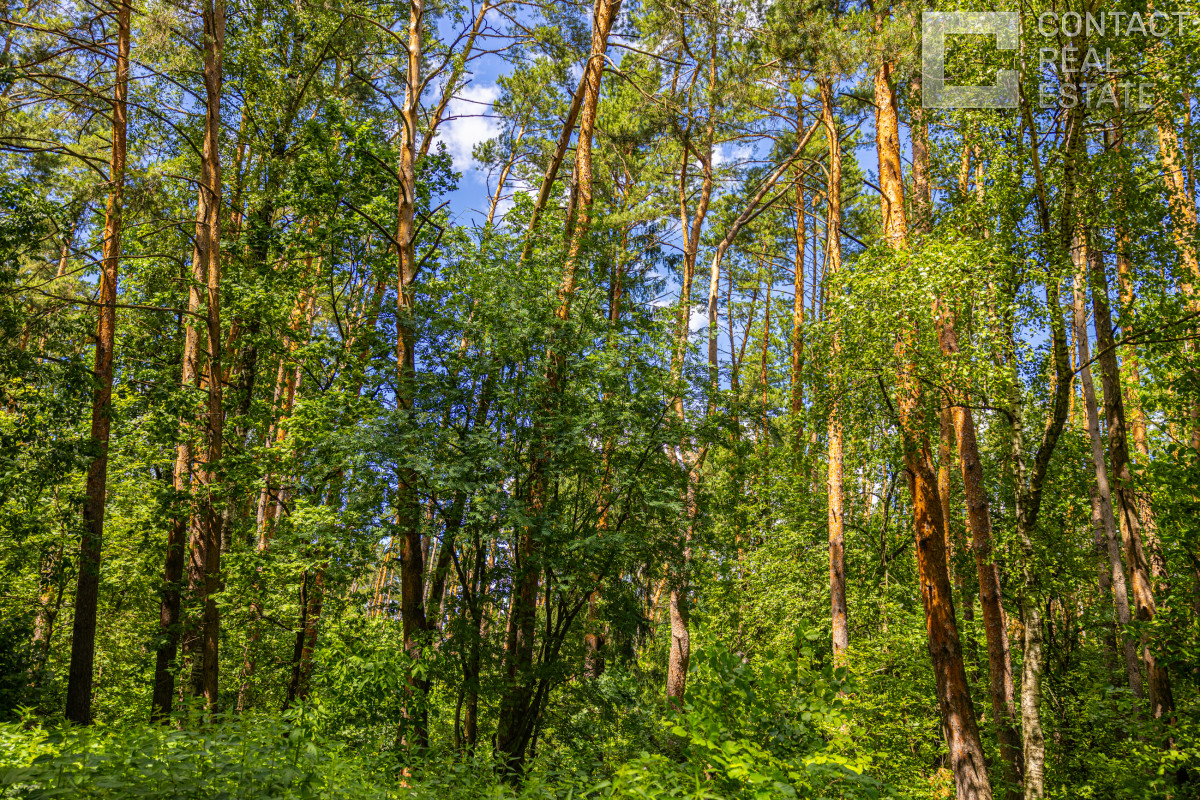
<point>205,565</point>
<point>50,599</point>
<point>801,234</point>
<point>1161,700</point>
<point>945,649</point>
<point>1000,682</point>
<point>887,145</point>
<point>837,540</point>
<point>681,639</point>
<point>83,639</point>
<point>1104,581</point>
<point>1183,206</point>
<point>834,489</point>
<point>1183,228</point>
<point>312,596</point>
<point>518,715</point>
<point>1129,358</point>
<point>922,198</point>
<point>412,732</point>
<point>979,518</point>
<point>945,463</point>
<point>1115,572</point>
<point>691,459</point>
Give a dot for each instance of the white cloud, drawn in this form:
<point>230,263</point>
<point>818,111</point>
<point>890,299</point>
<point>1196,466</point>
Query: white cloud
<point>504,206</point>
<point>468,123</point>
<point>732,153</point>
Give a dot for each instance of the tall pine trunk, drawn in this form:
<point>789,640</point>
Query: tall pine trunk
<point>801,235</point>
<point>518,711</point>
<point>412,732</point>
<point>83,640</point>
<point>204,566</point>
<point>945,649</point>
<point>979,519</point>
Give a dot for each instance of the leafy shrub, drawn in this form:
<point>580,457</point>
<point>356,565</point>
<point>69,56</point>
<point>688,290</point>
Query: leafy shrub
<point>754,731</point>
<point>264,758</point>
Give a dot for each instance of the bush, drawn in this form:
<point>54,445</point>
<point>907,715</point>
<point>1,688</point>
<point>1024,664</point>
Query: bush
<point>264,758</point>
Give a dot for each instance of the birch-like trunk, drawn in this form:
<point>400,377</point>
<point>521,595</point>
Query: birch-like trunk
<point>1103,494</point>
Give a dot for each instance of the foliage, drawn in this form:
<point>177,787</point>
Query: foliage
<point>588,469</point>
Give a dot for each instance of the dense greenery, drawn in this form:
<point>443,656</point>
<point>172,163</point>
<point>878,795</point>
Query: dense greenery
<point>548,399</point>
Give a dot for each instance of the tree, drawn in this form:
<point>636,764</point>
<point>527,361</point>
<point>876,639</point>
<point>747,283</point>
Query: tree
<point>945,649</point>
<point>83,640</point>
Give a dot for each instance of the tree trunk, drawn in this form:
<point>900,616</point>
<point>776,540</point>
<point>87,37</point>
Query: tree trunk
<point>560,152</point>
<point>801,233</point>
<point>471,722</point>
<point>1104,582</point>
<point>412,732</point>
<point>979,518</point>
<point>690,458</point>
<point>837,541</point>
<point>83,640</point>
<point>517,715</point>
<point>1031,691</point>
<point>1183,206</point>
<point>681,640</point>
<point>954,544</point>
<point>205,566</point>
<point>1129,358</point>
<point>50,598</point>
<point>312,595</point>
<point>922,199</point>
<point>471,669</point>
<point>887,145</point>
<point>945,650</point>
<point>1183,210</point>
<point>835,494</point>
<point>1183,229</point>
<point>298,643</point>
<point>1161,700</point>
<point>1114,573</point>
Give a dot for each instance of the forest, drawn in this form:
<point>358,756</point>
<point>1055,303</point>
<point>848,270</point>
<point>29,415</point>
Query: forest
<point>561,399</point>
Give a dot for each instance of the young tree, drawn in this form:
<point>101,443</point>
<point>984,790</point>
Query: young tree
<point>518,709</point>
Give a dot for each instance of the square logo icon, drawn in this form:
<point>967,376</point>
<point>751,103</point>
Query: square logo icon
<point>935,26</point>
